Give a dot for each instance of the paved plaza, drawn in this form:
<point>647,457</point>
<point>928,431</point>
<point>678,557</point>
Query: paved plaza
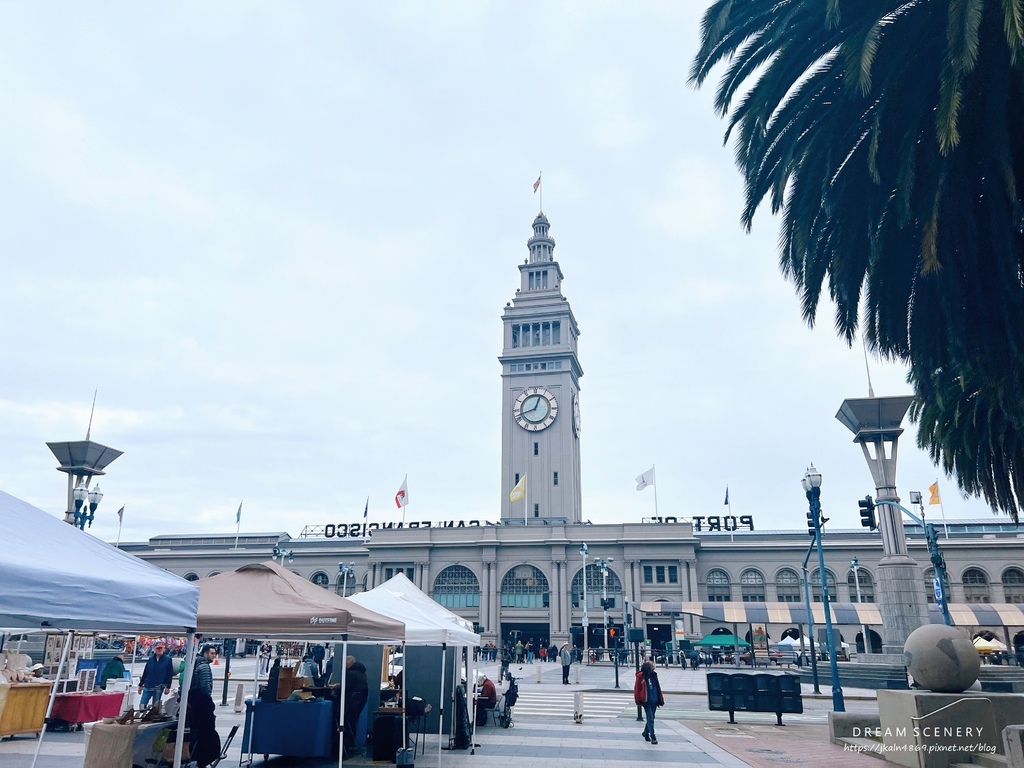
<point>544,733</point>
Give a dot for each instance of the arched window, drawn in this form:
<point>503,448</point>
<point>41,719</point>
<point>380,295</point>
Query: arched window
<point>752,586</point>
<point>929,584</point>
<point>321,579</point>
<point>191,577</point>
<point>816,585</point>
<point>718,586</point>
<point>457,587</point>
<point>524,587</point>
<point>787,586</point>
<point>867,587</point>
<point>217,573</point>
<point>1013,585</point>
<point>595,583</point>
<point>975,586</point>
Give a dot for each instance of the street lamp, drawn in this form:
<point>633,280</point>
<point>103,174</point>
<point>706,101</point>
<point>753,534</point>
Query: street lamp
<point>86,502</point>
<point>855,565</point>
<point>603,565</point>
<point>283,553</point>
<point>812,488</point>
<point>586,618</point>
<point>345,571</point>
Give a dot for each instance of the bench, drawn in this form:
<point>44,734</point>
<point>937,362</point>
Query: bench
<point>753,691</point>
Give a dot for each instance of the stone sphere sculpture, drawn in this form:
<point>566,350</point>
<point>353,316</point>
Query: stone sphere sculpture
<point>942,659</point>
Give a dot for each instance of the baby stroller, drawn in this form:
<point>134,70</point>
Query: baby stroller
<point>503,714</point>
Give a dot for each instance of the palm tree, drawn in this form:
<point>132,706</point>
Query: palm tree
<point>888,135</point>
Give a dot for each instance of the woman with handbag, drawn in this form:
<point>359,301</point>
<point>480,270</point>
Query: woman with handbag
<point>647,694</point>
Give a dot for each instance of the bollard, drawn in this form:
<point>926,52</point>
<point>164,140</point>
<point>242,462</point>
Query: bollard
<point>239,697</point>
<point>577,715</point>
<point>577,674</point>
<point>538,672</point>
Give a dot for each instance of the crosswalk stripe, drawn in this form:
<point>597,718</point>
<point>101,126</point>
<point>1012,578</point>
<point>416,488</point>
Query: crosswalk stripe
<point>561,704</point>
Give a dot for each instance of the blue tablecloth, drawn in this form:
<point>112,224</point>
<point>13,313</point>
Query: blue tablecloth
<point>296,728</point>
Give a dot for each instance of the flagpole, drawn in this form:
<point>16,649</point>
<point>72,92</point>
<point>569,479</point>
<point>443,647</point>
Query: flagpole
<point>366,521</point>
<point>540,178</point>
<point>942,509</point>
<point>655,484</point>
<point>120,522</point>
<point>238,522</point>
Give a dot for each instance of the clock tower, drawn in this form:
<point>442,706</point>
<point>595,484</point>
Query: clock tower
<point>540,407</point>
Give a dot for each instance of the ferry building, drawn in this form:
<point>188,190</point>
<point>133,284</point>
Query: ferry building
<point>518,571</point>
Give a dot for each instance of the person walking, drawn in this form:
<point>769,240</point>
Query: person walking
<point>565,656</point>
<point>357,691</point>
<point>201,716</point>
<point>155,682</point>
<point>647,694</point>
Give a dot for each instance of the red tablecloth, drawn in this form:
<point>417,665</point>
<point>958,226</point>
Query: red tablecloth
<point>86,707</point>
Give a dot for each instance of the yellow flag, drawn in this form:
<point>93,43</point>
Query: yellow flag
<point>519,492</point>
<point>934,488</point>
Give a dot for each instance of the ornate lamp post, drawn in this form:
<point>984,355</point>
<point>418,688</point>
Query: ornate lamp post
<point>86,502</point>
<point>603,565</point>
<point>586,617</point>
<point>283,553</point>
<point>855,565</point>
<point>345,571</point>
<point>812,487</point>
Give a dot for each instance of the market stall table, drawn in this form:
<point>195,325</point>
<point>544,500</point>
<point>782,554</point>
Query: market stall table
<point>111,745</point>
<point>80,708</point>
<point>294,728</point>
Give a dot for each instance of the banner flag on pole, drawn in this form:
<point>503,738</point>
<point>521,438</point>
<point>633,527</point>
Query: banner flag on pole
<point>238,514</point>
<point>934,488</point>
<point>519,492</point>
<point>727,495</point>
<point>646,479</point>
<point>366,509</point>
<point>536,185</point>
<point>120,514</point>
<point>402,497</point>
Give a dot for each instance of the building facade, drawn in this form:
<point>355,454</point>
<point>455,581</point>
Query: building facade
<point>538,569</point>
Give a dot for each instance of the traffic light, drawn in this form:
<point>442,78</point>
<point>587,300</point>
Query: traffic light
<point>810,522</point>
<point>867,513</point>
<point>612,632</point>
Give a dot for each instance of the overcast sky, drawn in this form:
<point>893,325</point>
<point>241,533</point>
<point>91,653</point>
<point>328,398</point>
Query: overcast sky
<point>278,238</point>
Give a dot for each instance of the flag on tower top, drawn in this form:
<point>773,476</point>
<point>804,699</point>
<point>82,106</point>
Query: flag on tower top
<point>646,479</point>
<point>536,184</point>
<point>402,497</point>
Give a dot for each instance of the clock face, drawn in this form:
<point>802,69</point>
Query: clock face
<point>576,414</point>
<point>535,409</point>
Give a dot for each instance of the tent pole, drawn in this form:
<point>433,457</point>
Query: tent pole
<point>53,694</point>
<point>186,686</point>
<point>341,709</point>
<point>440,702</point>
<point>476,702</point>
<point>405,704</point>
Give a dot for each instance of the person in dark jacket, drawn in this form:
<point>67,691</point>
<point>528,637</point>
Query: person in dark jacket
<point>647,694</point>
<point>156,677</point>
<point>357,690</point>
<point>114,670</point>
<point>201,718</point>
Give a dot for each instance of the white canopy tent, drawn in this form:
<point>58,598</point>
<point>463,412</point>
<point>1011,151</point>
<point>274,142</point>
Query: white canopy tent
<point>426,622</point>
<point>57,577</point>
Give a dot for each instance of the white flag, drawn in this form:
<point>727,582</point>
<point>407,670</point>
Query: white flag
<point>647,478</point>
<point>402,497</point>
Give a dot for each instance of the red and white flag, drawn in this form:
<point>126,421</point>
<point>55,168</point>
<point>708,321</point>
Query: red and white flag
<point>402,497</point>
<point>536,184</point>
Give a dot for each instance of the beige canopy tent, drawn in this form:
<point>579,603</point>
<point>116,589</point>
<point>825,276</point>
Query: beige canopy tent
<point>268,601</point>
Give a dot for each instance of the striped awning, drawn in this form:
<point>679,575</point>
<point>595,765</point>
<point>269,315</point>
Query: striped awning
<point>963,614</point>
